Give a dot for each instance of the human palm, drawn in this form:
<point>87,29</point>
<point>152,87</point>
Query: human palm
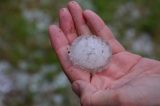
<point>130,80</point>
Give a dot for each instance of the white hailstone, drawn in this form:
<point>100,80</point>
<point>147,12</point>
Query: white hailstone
<point>90,53</point>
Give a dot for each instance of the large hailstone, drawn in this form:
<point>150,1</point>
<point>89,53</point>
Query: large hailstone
<point>90,52</point>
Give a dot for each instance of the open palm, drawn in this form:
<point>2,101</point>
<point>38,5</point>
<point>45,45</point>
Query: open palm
<point>130,80</point>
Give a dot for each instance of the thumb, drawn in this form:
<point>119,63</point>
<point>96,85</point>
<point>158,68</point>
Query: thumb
<point>80,87</point>
<point>106,98</point>
<point>85,91</point>
<point>92,97</point>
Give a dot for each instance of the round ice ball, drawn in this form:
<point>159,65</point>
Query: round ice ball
<point>90,52</point>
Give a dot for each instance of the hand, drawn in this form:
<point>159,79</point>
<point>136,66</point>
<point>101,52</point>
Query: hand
<point>130,80</point>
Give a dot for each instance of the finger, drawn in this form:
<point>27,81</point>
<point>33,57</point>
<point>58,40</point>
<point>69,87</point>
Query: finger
<point>67,24</point>
<point>60,44</point>
<point>99,27</point>
<point>77,15</point>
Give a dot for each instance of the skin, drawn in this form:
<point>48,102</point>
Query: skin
<point>130,80</point>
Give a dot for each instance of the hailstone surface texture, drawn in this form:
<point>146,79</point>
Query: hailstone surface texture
<point>90,52</point>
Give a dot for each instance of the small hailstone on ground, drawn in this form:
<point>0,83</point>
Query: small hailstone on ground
<point>90,53</point>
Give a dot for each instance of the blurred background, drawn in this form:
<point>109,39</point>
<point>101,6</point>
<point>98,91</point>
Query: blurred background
<point>30,74</point>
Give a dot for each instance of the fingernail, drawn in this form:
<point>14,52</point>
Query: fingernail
<point>73,2</point>
<point>63,9</point>
<point>75,88</point>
